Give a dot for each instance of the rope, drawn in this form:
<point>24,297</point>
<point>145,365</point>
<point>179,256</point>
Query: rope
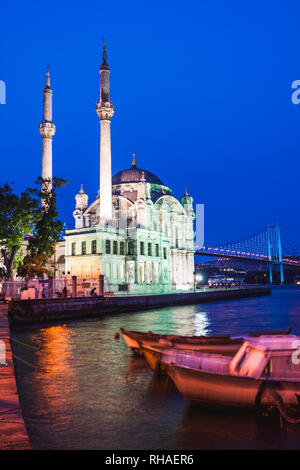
<point>25,362</point>
<point>8,411</point>
<point>24,344</point>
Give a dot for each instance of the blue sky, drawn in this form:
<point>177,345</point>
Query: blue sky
<point>202,95</point>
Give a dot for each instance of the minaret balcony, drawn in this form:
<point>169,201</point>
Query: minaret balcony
<point>105,111</point>
<point>47,129</point>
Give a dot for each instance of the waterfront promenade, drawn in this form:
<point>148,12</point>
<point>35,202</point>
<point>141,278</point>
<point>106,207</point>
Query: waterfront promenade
<point>13,434</point>
<point>25,312</point>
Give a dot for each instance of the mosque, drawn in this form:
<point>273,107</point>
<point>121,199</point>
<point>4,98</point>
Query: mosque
<point>136,233</point>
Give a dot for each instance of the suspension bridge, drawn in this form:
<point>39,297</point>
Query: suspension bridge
<point>270,245</point>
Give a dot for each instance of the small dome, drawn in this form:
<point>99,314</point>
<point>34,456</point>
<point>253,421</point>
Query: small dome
<point>81,199</point>
<point>135,175</point>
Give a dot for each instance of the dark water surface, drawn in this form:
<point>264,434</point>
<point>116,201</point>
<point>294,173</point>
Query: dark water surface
<point>87,391</point>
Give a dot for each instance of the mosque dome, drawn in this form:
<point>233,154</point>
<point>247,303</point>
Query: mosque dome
<point>135,175</point>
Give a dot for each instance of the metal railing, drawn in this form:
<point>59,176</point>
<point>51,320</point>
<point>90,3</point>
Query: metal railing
<point>26,289</point>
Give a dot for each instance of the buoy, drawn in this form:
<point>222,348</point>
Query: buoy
<point>116,335</point>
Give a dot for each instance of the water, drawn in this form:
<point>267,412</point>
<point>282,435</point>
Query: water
<point>87,391</point>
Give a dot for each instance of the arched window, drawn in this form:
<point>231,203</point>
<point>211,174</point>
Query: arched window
<point>115,247</point>
<point>94,247</point>
<point>122,248</point>
<point>83,248</point>
<point>149,249</point>
<point>107,247</point>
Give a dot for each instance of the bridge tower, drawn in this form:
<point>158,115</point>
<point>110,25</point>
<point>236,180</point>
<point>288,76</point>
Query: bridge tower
<point>275,251</point>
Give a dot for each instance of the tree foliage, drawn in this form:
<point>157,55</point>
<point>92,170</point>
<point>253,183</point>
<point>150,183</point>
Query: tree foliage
<point>33,265</point>
<point>17,219</point>
<point>29,222</point>
<point>48,229</point>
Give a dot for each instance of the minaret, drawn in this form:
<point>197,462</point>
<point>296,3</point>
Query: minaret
<point>105,111</point>
<point>47,130</point>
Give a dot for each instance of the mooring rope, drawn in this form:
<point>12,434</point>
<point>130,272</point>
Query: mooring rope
<point>24,344</point>
<point>25,362</point>
<point>8,411</point>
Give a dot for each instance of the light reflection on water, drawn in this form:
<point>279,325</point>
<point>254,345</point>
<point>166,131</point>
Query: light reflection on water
<point>87,391</point>
<point>201,324</point>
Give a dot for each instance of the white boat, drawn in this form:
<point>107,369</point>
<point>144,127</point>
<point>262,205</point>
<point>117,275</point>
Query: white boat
<point>264,372</point>
<point>134,339</point>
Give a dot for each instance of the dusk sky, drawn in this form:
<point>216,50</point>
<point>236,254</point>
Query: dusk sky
<point>202,96</point>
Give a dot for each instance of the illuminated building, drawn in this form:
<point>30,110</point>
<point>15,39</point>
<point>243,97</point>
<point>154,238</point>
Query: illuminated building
<point>136,233</point>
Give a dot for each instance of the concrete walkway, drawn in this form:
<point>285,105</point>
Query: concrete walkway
<point>13,434</point>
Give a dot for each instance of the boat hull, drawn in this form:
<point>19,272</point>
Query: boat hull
<point>152,357</point>
<point>155,355</point>
<point>133,340</point>
<point>208,389</point>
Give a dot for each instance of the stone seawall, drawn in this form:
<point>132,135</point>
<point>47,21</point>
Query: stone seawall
<point>22,312</point>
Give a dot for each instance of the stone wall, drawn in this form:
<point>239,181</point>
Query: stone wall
<point>22,312</point>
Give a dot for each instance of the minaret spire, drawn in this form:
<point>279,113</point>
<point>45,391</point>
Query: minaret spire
<point>47,77</point>
<point>105,111</point>
<point>47,129</point>
<point>104,58</point>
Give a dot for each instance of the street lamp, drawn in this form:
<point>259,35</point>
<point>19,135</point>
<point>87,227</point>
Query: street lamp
<point>198,278</point>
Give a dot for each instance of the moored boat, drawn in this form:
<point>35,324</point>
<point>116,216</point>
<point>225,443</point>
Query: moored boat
<point>133,339</point>
<point>157,355</point>
<point>264,372</point>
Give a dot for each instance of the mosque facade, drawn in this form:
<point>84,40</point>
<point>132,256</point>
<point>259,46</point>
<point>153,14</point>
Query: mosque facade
<point>136,233</point>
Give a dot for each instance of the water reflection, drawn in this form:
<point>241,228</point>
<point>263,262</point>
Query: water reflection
<point>201,428</point>
<point>89,392</point>
<point>201,324</point>
<point>134,366</point>
<point>162,386</point>
<point>56,351</point>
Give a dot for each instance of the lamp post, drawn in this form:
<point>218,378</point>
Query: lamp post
<point>54,265</point>
<point>197,278</point>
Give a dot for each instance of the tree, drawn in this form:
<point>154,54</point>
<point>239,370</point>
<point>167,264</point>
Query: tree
<point>33,265</point>
<point>17,219</point>
<point>48,229</point>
